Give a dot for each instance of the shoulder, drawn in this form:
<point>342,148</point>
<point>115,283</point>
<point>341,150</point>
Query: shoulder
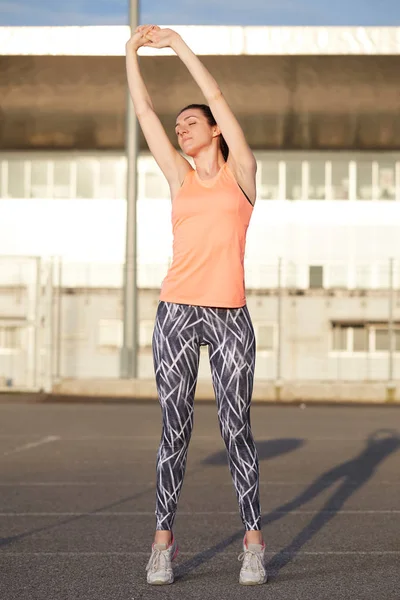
<point>241,170</point>
<point>245,179</point>
<point>184,181</point>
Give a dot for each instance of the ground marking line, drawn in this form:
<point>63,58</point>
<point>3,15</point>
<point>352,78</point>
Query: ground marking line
<point>193,483</point>
<point>182,553</point>
<point>46,440</point>
<point>191,513</point>
<point>156,437</point>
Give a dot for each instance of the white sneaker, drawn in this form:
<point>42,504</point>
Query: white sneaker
<point>253,569</point>
<point>159,569</point>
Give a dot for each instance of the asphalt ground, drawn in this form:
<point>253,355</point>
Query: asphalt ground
<point>77,490</point>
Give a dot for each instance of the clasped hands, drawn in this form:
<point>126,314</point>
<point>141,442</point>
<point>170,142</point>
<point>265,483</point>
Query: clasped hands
<point>152,36</point>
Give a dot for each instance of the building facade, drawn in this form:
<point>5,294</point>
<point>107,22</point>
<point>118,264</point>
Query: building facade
<point>323,251</point>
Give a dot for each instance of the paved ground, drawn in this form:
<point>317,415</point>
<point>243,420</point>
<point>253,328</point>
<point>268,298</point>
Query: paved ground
<point>77,504</point>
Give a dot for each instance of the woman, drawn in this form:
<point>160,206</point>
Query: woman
<point>202,299</point>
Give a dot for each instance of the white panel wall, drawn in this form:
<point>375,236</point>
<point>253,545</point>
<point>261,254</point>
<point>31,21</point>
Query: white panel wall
<point>302,231</point>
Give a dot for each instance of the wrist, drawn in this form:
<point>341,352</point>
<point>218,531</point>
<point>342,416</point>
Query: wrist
<point>131,46</point>
<point>176,41</point>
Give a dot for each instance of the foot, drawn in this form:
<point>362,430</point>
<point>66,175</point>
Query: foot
<point>253,569</point>
<point>159,569</point>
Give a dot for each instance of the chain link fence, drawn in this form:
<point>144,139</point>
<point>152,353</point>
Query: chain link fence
<point>331,322</point>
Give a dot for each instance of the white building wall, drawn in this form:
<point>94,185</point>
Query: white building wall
<point>303,231</point>
<point>352,240</point>
<point>86,344</point>
<point>73,206</point>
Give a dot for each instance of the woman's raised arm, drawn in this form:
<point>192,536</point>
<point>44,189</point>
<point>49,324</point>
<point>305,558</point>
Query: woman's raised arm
<point>240,153</point>
<point>171,162</point>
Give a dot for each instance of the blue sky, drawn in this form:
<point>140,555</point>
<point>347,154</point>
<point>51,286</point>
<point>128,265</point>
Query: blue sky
<point>202,12</point>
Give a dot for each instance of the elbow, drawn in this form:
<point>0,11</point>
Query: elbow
<point>249,164</point>
<point>143,111</point>
<point>214,95</point>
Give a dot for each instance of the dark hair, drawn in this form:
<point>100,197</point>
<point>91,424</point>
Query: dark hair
<point>206,110</point>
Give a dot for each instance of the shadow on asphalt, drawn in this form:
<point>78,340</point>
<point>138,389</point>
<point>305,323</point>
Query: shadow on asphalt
<point>351,475</point>
<point>7,541</point>
<point>266,449</point>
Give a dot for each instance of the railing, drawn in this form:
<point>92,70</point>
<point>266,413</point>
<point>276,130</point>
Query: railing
<point>328,322</point>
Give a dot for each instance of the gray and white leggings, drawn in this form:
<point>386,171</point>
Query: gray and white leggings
<point>180,330</point>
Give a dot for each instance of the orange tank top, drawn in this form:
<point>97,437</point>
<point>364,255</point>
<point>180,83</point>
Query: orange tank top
<point>209,223</point>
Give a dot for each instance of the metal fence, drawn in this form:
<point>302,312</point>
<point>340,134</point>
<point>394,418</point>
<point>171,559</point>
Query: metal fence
<point>26,322</point>
<point>313,322</point>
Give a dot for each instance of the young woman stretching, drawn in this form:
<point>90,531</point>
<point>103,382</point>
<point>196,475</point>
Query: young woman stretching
<point>202,299</point>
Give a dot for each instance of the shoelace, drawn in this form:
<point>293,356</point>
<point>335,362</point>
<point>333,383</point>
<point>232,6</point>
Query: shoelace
<point>155,560</point>
<point>251,561</point>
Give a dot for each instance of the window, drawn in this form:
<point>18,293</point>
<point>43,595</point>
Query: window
<point>368,337</point>
<point>265,336</point>
<point>340,180</point>
<point>121,175</point>
<point>2,179</point>
<point>364,181</point>
<point>294,180</point>
<point>10,338</point>
<point>85,178</point>
<point>16,179</point>
<point>39,179</point>
<point>360,339</point>
<point>350,338</point>
<point>107,178</point>
<point>287,175</point>
<point>269,188</point>
<point>382,340</point>
<point>316,277</point>
<point>62,179</point>
<point>340,338</point>
<point>387,180</point>
<point>316,180</point>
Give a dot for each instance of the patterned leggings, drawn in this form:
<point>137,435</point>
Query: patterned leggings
<point>180,330</point>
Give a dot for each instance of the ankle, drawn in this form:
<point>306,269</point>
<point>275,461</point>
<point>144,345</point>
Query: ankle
<point>163,537</point>
<point>254,537</point>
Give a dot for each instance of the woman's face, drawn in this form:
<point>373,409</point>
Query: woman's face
<point>193,131</point>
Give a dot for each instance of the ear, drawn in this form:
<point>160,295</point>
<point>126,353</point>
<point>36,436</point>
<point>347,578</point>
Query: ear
<point>216,131</point>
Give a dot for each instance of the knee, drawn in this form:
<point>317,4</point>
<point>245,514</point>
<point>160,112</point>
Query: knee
<point>236,434</point>
<point>172,443</point>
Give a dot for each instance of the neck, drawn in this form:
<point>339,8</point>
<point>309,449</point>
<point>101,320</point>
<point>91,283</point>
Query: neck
<point>208,163</point>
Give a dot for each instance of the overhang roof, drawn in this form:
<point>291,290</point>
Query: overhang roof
<point>287,100</point>
<point>205,40</point>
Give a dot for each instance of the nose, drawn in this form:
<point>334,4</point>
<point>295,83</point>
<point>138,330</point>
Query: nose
<point>182,130</point>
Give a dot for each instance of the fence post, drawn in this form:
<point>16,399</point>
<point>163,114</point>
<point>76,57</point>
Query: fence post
<point>47,383</point>
<point>58,334</point>
<point>391,386</point>
<point>36,321</point>
<point>278,378</point>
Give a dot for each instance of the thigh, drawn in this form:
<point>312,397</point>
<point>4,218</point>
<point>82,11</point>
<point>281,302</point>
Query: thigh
<point>232,360</point>
<point>176,351</point>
